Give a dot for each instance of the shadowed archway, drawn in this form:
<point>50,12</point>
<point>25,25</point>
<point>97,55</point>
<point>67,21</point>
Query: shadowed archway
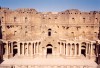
<point>49,49</point>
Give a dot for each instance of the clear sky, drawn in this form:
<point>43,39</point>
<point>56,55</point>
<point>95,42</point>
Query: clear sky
<point>52,5</point>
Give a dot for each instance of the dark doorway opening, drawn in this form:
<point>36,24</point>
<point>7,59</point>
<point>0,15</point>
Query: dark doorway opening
<point>3,50</point>
<point>4,45</point>
<point>49,50</point>
<point>49,32</point>
<point>83,52</point>
<point>14,52</point>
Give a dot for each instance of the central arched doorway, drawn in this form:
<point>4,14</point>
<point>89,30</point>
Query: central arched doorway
<point>49,49</point>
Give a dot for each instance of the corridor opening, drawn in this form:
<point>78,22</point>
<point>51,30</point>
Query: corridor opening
<point>14,52</point>
<point>49,50</point>
<point>83,50</point>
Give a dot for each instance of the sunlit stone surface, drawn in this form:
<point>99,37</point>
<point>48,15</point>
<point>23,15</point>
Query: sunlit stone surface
<point>33,39</point>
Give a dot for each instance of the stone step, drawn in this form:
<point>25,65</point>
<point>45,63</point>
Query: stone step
<point>46,66</point>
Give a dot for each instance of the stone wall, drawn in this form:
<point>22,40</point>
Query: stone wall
<point>29,24</point>
<point>22,25</point>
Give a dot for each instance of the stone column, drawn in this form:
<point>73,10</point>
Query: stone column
<point>91,48</point>
<point>60,49</point>
<point>9,48</point>
<point>66,50</point>
<point>79,49</point>
<point>18,44</point>
<point>70,49</point>
<point>37,48</point>
<point>86,49</point>
<point>12,48</point>
<point>27,49</point>
<point>7,52</point>
<point>34,49</point>
<point>31,49</point>
<point>23,49</point>
<point>75,50</point>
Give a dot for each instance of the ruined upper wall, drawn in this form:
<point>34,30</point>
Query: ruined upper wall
<point>31,23</point>
<point>26,15</point>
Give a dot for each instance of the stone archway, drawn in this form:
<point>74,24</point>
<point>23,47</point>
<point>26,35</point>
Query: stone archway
<point>15,50</point>
<point>83,50</point>
<point>49,49</point>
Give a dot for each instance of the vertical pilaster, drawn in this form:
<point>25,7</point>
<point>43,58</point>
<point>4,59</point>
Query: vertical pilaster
<point>91,48</point>
<point>27,49</point>
<point>75,50</point>
<point>12,48</point>
<point>86,49</point>
<point>60,48</point>
<point>7,52</point>
<point>66,49</point>
<point>18,44</point>
<point>37,48</point>
<point>79,49</point>
<point>34,49</point>
<point>23,49</point>
<point>31,49</point>
<point>71,49</point>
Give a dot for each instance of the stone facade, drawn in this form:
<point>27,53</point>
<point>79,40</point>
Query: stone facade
<point>69,34</point>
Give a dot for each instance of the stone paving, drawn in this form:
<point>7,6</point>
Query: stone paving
<point>48,61</point>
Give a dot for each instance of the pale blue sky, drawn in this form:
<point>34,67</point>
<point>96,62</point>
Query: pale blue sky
<point>52,5</point>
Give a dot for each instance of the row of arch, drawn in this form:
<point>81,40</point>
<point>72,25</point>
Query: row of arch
<point>64,48</point>
<point>20,48</point>
<point>77,49</point>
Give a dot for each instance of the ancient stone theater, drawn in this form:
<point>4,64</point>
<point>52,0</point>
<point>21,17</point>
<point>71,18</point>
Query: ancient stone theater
<point>67,35</point>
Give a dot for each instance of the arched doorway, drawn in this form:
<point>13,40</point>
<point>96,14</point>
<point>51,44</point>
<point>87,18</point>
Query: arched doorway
<point>49,49</point>
<point>83,50</point>
<point>49,32</point>
<point>15,50</point>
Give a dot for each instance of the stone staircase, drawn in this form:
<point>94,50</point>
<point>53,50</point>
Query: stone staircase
<point>48,61</point>
<point>51,56</point>
<point>47,66</point>
<point>6,66</point>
